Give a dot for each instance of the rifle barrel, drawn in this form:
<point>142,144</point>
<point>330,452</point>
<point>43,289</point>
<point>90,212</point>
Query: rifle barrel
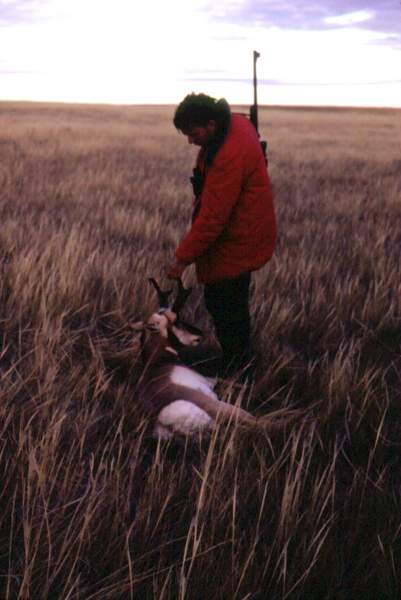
<point>254,108</point>
<point>255,92</point>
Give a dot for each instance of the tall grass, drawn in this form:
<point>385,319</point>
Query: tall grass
<point>93,200</point>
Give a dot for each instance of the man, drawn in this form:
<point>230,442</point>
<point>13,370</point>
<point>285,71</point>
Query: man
<point>233,227</point>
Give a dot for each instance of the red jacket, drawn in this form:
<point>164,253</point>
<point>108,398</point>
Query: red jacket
<point>234,228</point>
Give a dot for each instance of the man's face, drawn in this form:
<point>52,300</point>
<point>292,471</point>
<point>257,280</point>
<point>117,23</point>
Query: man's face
<point>201,136</point>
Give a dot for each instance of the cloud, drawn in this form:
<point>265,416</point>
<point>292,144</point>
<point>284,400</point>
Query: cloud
<point>384,16</point>
<point>9,13</point>
<point>281,82</point>
<point>16,72</point>
<point>359,16</point>
<point>20,12</point>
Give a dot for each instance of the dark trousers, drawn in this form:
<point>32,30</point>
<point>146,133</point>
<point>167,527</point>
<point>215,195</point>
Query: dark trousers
<point>227,301</point>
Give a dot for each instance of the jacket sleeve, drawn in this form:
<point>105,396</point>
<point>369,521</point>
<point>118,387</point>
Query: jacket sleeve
<point>219,196</point>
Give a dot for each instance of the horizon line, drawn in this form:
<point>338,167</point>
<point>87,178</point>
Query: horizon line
<point>171,104</point>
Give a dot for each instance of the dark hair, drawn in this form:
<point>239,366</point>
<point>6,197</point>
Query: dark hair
<point>196,110</point>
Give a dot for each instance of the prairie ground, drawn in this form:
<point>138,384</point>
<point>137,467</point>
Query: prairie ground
<point>93,200</point>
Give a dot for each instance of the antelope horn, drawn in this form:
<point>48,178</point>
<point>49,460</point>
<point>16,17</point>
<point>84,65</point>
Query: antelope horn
<point>181,298</point>
<point>162,295</point>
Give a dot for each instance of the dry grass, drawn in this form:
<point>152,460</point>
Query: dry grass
<point>93,201</point>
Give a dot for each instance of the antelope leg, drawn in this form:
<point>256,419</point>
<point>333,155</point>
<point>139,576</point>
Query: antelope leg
<point>218,410</point>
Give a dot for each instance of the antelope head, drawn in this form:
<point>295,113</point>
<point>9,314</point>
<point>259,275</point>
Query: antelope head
<point>164,330</point>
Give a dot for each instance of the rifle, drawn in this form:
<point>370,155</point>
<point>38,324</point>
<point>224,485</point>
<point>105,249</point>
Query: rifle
<point>254,108</point>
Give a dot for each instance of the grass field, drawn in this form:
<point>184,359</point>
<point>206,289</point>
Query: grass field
<point>93,201</point>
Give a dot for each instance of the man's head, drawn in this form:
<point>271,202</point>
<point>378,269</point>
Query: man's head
<point>202,118</point>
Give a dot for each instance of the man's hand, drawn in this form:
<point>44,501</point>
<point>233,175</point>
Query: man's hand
<point>176,270</point>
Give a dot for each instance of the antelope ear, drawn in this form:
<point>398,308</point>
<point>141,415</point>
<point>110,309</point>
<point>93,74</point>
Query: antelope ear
<point>190,328</point>
<point>138,326</point>
<point>187,338</point>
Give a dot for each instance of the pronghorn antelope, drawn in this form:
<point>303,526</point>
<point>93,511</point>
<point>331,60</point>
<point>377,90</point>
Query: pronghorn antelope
<point>181,400</point>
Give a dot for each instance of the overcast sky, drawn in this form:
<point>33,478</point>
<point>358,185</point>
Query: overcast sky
<point>337,52</point>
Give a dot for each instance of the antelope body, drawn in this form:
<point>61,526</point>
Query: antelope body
<point>181,400</point>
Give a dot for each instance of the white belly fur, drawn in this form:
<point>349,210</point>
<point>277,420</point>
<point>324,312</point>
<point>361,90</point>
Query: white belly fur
<point>181,418</point>
<point>193,380</point>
